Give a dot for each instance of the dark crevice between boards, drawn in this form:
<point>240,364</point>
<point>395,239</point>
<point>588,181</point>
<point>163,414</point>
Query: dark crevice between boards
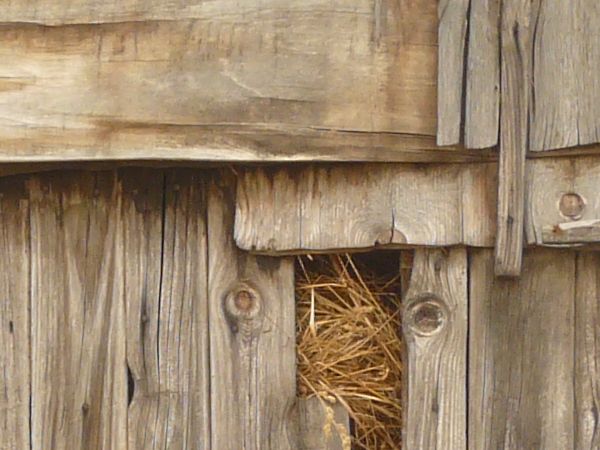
<point>349,340</point>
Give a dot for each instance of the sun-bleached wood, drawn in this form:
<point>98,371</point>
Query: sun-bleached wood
<point>167,308</point>
<point>336,207</point>
<point>521,352</point>
<point>15,338</point>
<point>515,84</point>
<point>252,336</point>
<point>78,368</point>
<point>231,82</point>
<point>566,106</point>
<point>587,352</point>
<point>435,328</point>
<point>452,29</point>
<point>314,429</point>
<point>482,75</point>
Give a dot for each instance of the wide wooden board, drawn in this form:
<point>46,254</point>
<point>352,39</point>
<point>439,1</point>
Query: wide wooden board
<point>218,80</point>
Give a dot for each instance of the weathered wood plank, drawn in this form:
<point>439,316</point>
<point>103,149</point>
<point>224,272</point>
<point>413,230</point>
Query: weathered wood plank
<point>452,31</point>
<point>521,353</point>
<point>515,65</point>
<point>566,49</point>
<point>226,82</point>
<point>167,309</point>
<point>435,328</point>
<point>319,208</point>
<point>15,376</point>
<point>482,76</point>
<point>317,424</point>
<point>79,376</point>
<point>587,352</point>
<point>252,340</point>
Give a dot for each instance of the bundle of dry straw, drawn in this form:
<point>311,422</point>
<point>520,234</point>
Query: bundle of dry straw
<point>349,345</point>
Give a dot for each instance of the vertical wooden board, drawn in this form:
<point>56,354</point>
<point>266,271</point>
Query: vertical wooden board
<point>515,89</point>
<point>452,32</point>
<point>521,360</point>
<point>167,309</point>
<point>587,352</point>
<point>79,378</point>
<point>312,416</point>
<point>435,328</point>
<point>252,340</point>
<point>15,379</point>
<point>482,76</point>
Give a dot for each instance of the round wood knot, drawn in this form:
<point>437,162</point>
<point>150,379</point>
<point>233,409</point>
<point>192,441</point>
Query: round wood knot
<point>571,205</point>
<point>426,315</point>
<point>243,303</point>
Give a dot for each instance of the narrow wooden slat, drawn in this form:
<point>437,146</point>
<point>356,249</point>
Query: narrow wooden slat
<point>15,377</point>
<point>435,327</point>
<point>482,77</point>
<point>521,353</point>
<point>587,352</point>
<point>452,31</point>
<point>322,208</point>
<point>79,376</point>
<point>515,65</point>
<point>167,309</point>
<point>252,336</point>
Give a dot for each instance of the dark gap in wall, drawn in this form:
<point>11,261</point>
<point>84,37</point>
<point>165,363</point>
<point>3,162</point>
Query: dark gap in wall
<point>130,386</point>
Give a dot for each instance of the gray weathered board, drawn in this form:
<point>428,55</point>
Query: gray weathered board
<point>327,207</point>
<point>121,321</point>
<point>257,80</point>
<point>559,51</point>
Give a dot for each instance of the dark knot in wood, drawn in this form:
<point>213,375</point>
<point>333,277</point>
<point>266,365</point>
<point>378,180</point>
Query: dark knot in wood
<point>426,315</point>
<point>243,307</point>
<point>571,205</point>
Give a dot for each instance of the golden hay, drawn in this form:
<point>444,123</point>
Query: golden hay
<point>349,345</point>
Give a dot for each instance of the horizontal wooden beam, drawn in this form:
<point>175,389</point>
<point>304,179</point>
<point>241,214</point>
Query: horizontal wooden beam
<point>320,208</point>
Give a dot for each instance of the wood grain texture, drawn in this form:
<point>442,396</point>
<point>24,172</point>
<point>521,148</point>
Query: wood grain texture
<point>15,337</point>
<point>252,340</point>
<point>310,418</point>
<point>482,76</point>
<point>452,29</point>
<point>435,328</point>
<point>566,51</point>
<point>318,208</point>
<point>587,352</point>
<point>167,309</point>
<point>220,84</point>
<point>521,353</point>
<point>514,65</point>
<point>78,370</point>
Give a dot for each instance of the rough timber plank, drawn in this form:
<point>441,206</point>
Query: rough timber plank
<point>587,356</point>
<point>453,16</point>
<point>228,81</point>
<point>311,418</point>
<point>565,109</point>
<point>521,353</point>
<point>252,341</point>
<point>167,309</point>
<point>515,65</point>
<point>482,76</point>
<point>15,378</point>
<point>78,370</point>
<point>321,207</point>
<point>435,327</point>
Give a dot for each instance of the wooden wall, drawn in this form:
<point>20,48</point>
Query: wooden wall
<point>129,319</point>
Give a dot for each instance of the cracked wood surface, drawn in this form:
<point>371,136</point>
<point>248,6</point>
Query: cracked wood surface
<point>275,80</point>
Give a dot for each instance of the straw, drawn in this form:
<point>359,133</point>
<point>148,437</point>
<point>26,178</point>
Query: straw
<point>349,345</point>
